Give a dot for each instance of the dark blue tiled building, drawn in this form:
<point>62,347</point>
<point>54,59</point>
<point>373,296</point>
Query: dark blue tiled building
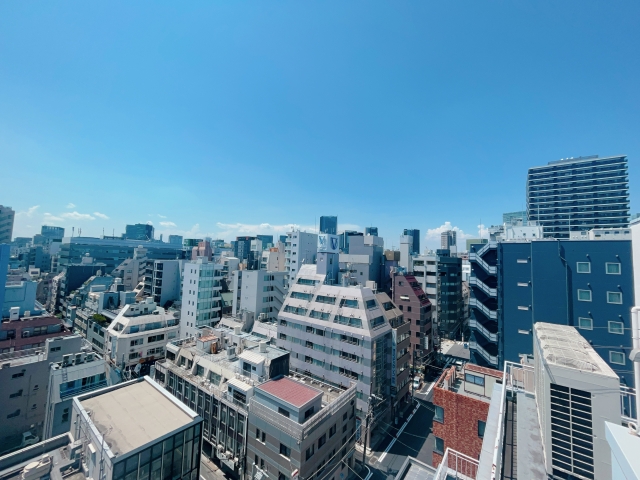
<point>587,284</point>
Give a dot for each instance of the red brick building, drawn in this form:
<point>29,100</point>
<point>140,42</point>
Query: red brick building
<point>29,332</point>
<point>461,399</point>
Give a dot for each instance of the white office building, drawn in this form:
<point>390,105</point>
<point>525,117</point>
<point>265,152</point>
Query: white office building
<point>259,291</point>
<point>301,248</point>
<point>138,336</point>
<point>337,334</point>
<point>201,295</point>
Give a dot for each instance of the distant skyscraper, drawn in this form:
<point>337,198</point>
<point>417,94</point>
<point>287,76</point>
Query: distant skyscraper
<point>139,231</point>
<point>265,239</point>
<point>448,240</point>
<point>579,194</point>
<point>514,217</point>
<point>7,216</point>
<point>415,233</point>
<point>242,247</point>
<point>371,231</point>
<point>52,232</point>
<point>329,225</point>
<point>175,239</point>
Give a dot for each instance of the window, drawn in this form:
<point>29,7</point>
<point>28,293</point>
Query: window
<point>54,349</point>
<point>14,414</point>
<point>322,440</point>
<point>138,341</point>
<point>614,297</point>
<point>585,323</point>
<point>583,267</point>
<point>612,268</point>
<point>284,412</point>
<point>332,430</point>
<point>284,450</point>
<point>310,451</point>
<point>371,304</point>
<point>155,338</point>
<point>616,327</point>
<point>617,358</point>
<point>439,446</point>
<point>344,416</point>
<point>584,295</point>
<point>439,414</point>
<point>257,433</point>
<point>349,303</point>
<point>481,426</point>
<point>475,379</point>
<point>17,375</point>
<point>17,394</point>
<point>309,412</point>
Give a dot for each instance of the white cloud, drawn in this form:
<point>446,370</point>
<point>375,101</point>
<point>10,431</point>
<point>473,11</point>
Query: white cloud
<point>71,205</point>
<point>168,224</point>
<point>49,218</point>
<point>29,212</point>
<point>101,215</point>
<point>162,216</point>
<point>433,234</point>
<point>77,216</point>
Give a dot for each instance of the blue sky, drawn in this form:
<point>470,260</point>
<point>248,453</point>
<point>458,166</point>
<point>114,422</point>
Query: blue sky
<point>225,118</point>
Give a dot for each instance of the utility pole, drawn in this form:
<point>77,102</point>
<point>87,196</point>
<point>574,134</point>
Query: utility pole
<point>366,433</point>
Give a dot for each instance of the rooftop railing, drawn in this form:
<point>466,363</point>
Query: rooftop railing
<point>456,465</point>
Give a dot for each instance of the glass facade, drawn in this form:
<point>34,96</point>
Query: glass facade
<point>577,195</point>
<point>173,458</point>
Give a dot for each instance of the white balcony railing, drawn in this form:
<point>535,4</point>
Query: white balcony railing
<point>456,465</point>
<point>476,282</point>
<point>473,323</point>
<point>475,303</point>
<point>493,360</point>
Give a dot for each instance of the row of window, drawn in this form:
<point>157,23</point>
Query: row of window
<point>611,268</point>
<point>587,296</point>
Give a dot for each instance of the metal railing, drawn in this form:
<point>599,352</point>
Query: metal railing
<point>516,378</point>
<point>456,465</point>
<point>475,303</point>
<point>490,269</point>
<point>487,246</point>
<point>475,281</point>
<point>83,389</point>
<point>628,404</point>
<point>492,359</point>
<point>473,323</point>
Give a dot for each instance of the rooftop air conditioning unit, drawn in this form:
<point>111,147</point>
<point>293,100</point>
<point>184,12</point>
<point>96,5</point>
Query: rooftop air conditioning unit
<point>66,360</point>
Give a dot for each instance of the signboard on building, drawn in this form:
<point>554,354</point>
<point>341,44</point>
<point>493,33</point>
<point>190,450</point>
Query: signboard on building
<point>394,359</point>
<point>328,243</point>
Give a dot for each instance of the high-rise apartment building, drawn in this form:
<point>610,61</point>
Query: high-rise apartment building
<point>139,231</point>
<point>5,253</point>
<point>587,284</point>
<point>52,232</point>
<point>579,194</point>
<point>448,241</point>
<point>514,218</point>
<point>329,224</point>
<point>451,312</point>
<point>201,295</point>
<point>259,291</point>
<point>415,235</point>
<point>7,217</point>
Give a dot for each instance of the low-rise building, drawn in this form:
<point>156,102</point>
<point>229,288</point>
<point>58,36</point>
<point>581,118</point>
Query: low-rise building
<point>138,335</point>
<point>24,333</point>
<point>301,429</point>
<point>24,376</point>
<point>461,399</point>
<point>75,374</point>
<point>215,375</point>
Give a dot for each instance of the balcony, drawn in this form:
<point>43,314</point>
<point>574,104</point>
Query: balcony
<point>456,465</point>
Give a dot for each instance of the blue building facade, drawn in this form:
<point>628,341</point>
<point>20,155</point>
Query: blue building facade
<point>587,284</point>
<point>579,194</point>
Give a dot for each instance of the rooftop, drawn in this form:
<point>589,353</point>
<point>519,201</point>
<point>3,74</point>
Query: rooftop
<point>290,391</point>
<point>134,414</point>
<point>563,346</point>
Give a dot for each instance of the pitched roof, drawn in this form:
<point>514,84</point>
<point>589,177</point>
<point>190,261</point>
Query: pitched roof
<point>290,391</point>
